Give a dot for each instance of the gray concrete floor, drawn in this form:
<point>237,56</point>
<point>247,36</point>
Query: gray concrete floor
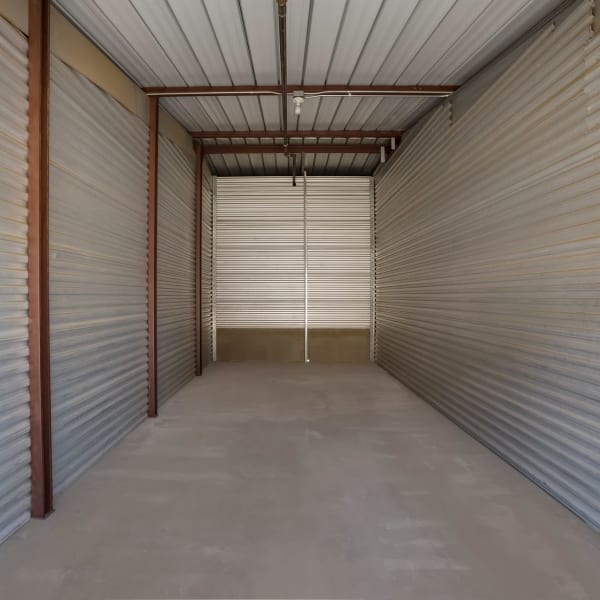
<point>294,481</point>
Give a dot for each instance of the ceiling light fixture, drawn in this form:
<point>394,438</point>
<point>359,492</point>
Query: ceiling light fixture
<point>298,100</point>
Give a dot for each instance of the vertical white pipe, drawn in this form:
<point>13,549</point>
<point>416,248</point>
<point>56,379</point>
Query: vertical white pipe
<point>213,259</point>
<point>306,358</point>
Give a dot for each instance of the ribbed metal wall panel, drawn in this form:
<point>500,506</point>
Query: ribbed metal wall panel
<point>15,457</point>
<point>259,252</point>
<point>339,251</point>
<point>98,249</point>
<point>488,246</point>
<point>176,269</point>
<point>207,265</point>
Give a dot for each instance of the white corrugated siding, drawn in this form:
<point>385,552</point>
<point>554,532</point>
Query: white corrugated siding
<point>488,247</point>
<point>207,265</point>
<point>259,252</point>
<point>15,457</point>
<point>98,249</point>
<point>175,270</point>
<point>338,227</point>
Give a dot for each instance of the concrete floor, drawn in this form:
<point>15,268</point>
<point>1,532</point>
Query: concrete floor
<point>294,481</point>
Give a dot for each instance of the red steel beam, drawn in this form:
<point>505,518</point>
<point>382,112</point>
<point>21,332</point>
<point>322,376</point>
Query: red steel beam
<point>38,266</point>
<point>199,158</point>
<point>323,90</point>
<point>152,226</point>
<point>342,133</point>
<point>292,148</point>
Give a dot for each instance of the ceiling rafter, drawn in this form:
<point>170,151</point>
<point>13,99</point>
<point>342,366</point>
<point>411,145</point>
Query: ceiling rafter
<point>275,133</point>
<point>435,91</point>
<point>291,149</point>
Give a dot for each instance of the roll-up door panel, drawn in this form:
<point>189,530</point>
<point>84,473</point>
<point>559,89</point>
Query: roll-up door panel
<point>488,254</point>
<point>15,457</point>
<point>98,256</point>
<point>339,252</point>
<point>207,265</point>
<point>176,269</point>
<point>259,255</point>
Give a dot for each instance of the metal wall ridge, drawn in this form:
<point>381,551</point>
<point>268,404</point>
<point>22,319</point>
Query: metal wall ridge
<point>487,253</point>
<point>98,251</point>
<point>15,455</point>
<point>176,269</point>
<point>260,252</point>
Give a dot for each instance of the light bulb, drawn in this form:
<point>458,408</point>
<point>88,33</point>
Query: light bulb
<point>298,100</point>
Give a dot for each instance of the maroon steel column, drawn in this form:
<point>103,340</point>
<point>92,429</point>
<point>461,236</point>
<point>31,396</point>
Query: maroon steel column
<point>152,216</point>
<point>198,259</point>
<point>38,275</point>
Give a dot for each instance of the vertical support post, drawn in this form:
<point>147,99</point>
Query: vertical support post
<point>152,227</point>
<point>213,264</point>
<point>38,269</point>
<point>373,272</point>
<point>306,357</point>
<point>198,259</point>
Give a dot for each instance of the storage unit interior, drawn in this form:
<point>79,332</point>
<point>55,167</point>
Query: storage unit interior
<point>299,299</point>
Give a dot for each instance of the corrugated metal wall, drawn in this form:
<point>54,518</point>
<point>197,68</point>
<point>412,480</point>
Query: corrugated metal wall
<point>176,269</point>
<point>98,249</point>
<point>338,227</point>
<point>488,248</point>
<point>207,265</point>
<point>259,252</point>
<point>15,457</point>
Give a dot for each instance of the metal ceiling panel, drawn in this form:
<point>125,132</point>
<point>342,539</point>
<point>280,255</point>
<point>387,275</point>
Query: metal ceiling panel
<point>125,18</point>
<point>388,27</point>
<point>271,108</point>
<point>426,18</point>
<point>363,111</point>
<point>88,16</point>
<point>359,17</point>
<point>327,109</point>
<point>496,28</point>
<point>253,112</point>
<point>160,20</point>
<point>298,13</point>
<point>234,113</point>
<point>456,22</point>
<point>326,18</point>
<point>235,42</point>
<point>260,20</point>
<point>194,22</point>
<point>226,21</point>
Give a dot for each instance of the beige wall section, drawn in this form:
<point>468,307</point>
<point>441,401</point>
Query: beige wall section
<point>287,345</point>
<point>15,12</point>
<point>271,345</point>
<point>339,345</point>
<point>169,127</point>
<point>77,51</point>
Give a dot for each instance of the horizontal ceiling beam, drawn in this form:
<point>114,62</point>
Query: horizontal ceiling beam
<point>316,90</point>
<point>292,148</point>
<point>343,133</point>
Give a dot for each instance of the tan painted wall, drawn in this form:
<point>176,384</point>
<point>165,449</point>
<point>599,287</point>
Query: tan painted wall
<point>76,50</point>
<point>287,345</point>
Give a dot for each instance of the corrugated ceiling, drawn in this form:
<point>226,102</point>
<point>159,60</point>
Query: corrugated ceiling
<point>234,42</point>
